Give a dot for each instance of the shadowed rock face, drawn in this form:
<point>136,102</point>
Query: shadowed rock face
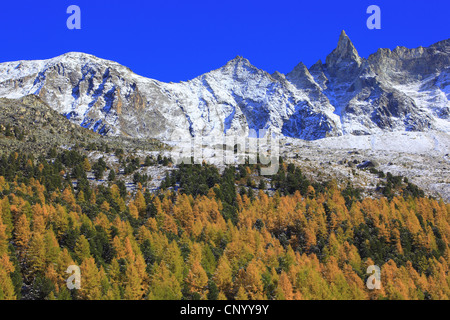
<point>399,90</point>
<point>344,61</point>
<point>403,89</point>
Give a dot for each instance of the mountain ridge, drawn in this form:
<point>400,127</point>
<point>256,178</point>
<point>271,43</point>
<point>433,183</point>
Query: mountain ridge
<point>392,90</point>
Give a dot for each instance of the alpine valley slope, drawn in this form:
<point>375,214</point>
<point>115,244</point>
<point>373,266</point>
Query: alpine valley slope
<point>399,90</point>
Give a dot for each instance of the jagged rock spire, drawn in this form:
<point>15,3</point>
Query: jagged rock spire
<point>344,52</point>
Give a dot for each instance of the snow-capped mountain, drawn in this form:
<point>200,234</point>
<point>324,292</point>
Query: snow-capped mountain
<point>399,90</point>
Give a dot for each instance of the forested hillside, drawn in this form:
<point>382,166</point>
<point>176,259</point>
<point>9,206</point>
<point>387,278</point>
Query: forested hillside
<point>212,235</point>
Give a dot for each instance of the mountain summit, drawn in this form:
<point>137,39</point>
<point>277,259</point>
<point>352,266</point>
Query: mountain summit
<point>399,90</point>
<point>345,52</point>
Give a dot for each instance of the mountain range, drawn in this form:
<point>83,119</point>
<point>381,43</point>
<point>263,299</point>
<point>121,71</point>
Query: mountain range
<point>392,90</point>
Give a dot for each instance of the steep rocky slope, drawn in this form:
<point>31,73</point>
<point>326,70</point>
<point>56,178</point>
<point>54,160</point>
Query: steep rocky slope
<point>29,125</point>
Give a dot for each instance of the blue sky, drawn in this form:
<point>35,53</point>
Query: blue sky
<point>178,40</point>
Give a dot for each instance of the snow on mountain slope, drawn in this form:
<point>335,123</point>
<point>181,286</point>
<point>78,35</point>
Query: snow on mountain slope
<point>399,90</point>
<point>422,157</point>
<point>407,142</point>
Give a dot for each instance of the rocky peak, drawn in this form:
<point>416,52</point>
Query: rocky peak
<point>316,67</point>
<point>239,61</point>
<point>299,69</point>
<point>344,53</point>
<point>301,77</point>
<point>278,76</point>
<point>240,67</point>
<point>316,70</point>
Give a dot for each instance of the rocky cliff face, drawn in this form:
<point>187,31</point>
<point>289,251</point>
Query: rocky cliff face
<point>399,90</point>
